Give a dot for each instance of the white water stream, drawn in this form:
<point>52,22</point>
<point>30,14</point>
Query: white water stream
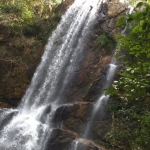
<point>102,99</point>
<point>30,126</point>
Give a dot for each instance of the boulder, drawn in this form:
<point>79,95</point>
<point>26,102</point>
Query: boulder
<point>63,112</point>
<point>6,116</point>
<point>107,20</point>
<point>73,116</point>
<point>115,7</point>
<point>97,87</point>
<point>60,139</point>
<point>77,119</point>
<point>86,145</point>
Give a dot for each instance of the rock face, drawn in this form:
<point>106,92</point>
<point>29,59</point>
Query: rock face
<point>63,112</point>
<point>60,139</point>
<point>18,62</point>
<point>73,116</point>
<point>96,88</point>
<point>77,119</point>
<point>87,145</point>
<point>114,9</point>
<point>6,116</point>
<point>4,105</point>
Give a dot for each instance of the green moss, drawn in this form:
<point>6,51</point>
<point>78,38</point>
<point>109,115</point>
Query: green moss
<point>106,41</point>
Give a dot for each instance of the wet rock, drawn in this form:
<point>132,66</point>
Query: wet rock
<point>77,119</point>
<point>102,17</point>
<point>103,8</point>
<point>73,116</point>
<point>94,62</point>
<point>5,116</point>
<point>86,145</point>
<point>32,69</point>
<point>4,105</point>
<point>108,20</point>
<point>115,7</point>
<point>43,116</point>
<point>63,112</point>
<point>99,129</point>
<point>60,139</point>
<point>83,110</point>
<point>75,125</point>
<point>97,87</point>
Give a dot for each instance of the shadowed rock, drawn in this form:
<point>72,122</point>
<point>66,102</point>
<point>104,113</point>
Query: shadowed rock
<point>5,116</point>
<point>44,114</point>
<point>77,119</point>
<point>97,87</point>
<point>63,112</point>
<point>60,139</point>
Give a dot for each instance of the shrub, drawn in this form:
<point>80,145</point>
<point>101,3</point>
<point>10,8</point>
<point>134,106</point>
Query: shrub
<point>106,41</point>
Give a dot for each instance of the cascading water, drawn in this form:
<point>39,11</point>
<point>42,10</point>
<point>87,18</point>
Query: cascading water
<point>31,124</point>
<point>74,145</point>
<point>103,98</point>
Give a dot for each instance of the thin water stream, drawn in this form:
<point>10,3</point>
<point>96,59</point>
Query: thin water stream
<point>102,98</point>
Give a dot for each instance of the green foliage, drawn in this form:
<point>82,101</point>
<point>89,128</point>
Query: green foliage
<point>131,94</point>
<point>106,41</point>
<point>32,30</point>
<point>10,9</point>
<point>30,18</point>
<point>135,2</point>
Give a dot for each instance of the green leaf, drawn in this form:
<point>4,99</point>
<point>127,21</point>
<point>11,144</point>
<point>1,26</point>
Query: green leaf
<point>145,24</point>
<point>120,21</point>
<point>139,4</point>
<point>129,19</point>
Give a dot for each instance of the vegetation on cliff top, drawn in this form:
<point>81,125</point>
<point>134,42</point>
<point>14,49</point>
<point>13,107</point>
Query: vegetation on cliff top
<point>29,17</point>
<point>130,108</point>
<point>25,26</point>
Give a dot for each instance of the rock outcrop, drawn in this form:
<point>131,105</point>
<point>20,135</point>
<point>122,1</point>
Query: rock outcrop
<point>109,19</point>
<point>73,116</point>
<point>87,145</point>
<point>60,139</point>
<point>5,116</point>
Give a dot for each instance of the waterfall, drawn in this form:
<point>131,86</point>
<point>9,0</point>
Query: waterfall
<point>102,98</point>
<point>74,145</point>
<point>30,126</point>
